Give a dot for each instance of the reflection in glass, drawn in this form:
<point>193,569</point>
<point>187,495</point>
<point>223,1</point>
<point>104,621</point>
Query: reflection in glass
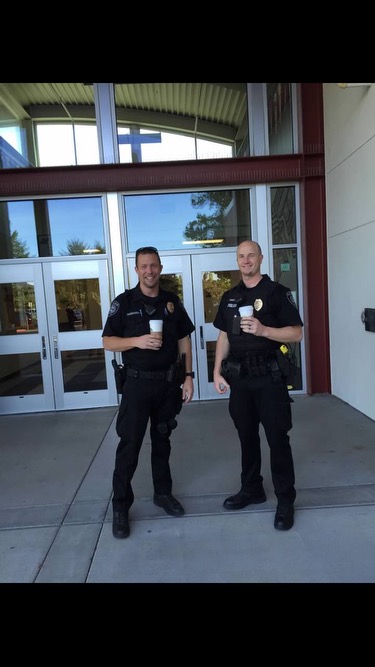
<point>51,228</point>
<point>15,132</point>
<point>186,221</point>
<point>20,374</point>
<point>51,124</point>
<point>172,282</point>
<point>144,146</point>
<point>17,309</point>
<point>40,128</point>
<point>280,125</point>
<point>78,304</point>
<point>12,146</point>
<point>283,213</point>
<point>285,269</point>
<point>286,272</point>
<point>83,370</point>
<point>214,284</point>
<point>210,350</point>
<point>159,122</point>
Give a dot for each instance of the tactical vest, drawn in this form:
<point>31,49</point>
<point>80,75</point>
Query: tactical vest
<point>242,344</point>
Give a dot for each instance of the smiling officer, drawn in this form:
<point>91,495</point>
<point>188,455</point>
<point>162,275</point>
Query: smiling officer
<point>158,379</point>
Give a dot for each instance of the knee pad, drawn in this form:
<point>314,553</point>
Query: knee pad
<point>165,428</point>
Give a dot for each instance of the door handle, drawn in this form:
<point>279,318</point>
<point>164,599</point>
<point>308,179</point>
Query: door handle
<point>44,349</point>
<point>55,348</point>
<point>201,337</point>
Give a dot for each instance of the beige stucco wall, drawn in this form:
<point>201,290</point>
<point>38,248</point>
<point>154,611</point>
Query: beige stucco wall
<point>349,126</point>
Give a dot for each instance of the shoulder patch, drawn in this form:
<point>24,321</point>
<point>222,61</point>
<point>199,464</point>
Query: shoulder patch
<point>290,298</point>
<point>114,308</point>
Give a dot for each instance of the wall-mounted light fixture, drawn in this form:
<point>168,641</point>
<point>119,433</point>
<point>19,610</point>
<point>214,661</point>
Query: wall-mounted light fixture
<point>368,318</point>
<point>352,85</point>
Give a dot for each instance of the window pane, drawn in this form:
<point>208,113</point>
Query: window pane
<point>283,215</point>
<point>286,273</point>
<point>67,144</point>
<point>84,370</point>
<point>55,145</point>
<point>172,282</point>
<point>185,221</point>
<point>144,146</point>
<point>40,124</point>
<point>17,309</point>
<point>87,146</point>
<point>18,238</point>
<point>214,284</point>
<point>280,126</point>
<point>181,121</point>
<point>20,374</point>
<point>54,124</point>
<point>13,150</point>
<point>55,227</point>
<point>210,351</point>
<point>78,304</point>
<point>285,269</point>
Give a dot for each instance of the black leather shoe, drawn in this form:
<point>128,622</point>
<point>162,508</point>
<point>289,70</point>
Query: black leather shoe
<point>120,524</point>
<point>169,504</point>
<point>242,499</point>
<point>284,517</point>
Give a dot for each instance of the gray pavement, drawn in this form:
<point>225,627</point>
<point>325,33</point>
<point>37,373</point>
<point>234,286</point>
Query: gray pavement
<point>55,502</point>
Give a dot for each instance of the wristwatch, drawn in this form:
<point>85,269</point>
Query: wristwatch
<point>191,374</point>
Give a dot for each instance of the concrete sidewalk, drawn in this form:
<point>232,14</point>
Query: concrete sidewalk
<point>55,509</point>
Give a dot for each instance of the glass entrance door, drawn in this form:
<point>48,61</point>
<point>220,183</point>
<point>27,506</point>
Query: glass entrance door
<point>212,276</point>
<point>51,353</point>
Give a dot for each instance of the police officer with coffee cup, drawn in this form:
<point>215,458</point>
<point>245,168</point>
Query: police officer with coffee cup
<point>249,362</point>
<point>157,380</point>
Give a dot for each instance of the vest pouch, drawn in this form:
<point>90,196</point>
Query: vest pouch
<point>231,369</point>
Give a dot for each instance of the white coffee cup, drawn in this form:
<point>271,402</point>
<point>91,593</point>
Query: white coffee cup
<point>156,327</point>
<point>246,311</point>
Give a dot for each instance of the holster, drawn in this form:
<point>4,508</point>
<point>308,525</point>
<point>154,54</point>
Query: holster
<point>120,375</point>
<point>179,401</point>
<point>283,362</point>
<point>177,371</point>
<point>288,367</point>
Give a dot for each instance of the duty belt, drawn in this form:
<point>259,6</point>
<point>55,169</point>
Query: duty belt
<point>146,375</point>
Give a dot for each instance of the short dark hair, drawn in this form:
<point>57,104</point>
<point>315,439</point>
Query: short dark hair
<point>147,250</point>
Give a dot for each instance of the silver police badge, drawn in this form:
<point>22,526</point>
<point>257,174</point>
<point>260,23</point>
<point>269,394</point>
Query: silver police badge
<point>258,304</point>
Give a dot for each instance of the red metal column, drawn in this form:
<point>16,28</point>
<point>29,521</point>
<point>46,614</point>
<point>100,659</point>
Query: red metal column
<point>315,241</point>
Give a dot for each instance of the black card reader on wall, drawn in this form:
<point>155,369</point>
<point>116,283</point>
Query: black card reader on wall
<point>368,317</point>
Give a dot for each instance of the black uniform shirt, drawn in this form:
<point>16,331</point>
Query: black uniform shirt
<point>130,314</point>
<point>274,306</point>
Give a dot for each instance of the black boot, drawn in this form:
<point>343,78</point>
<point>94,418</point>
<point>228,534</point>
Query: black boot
<point>120,524</point>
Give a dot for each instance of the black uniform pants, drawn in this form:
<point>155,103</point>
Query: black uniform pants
<point>263,400</point>
<point>143,400</point>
